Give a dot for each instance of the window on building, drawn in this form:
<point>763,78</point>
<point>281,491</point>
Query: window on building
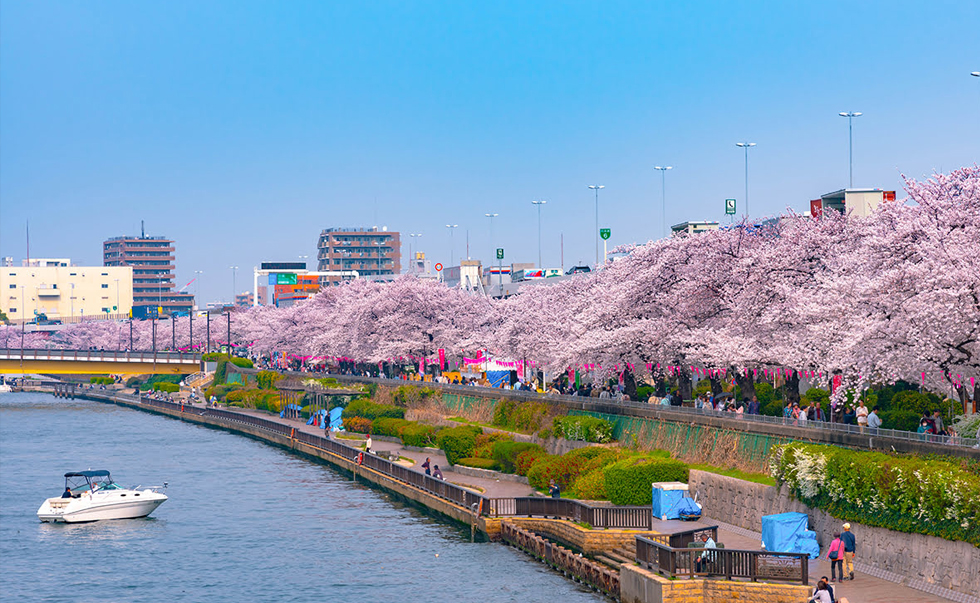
<point>13,310</point>
<point>13,286</point>
<point>105,285</point>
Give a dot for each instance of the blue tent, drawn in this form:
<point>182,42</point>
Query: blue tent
<point>788,533</point>
<point>666,499</point>
<point>320,414</point>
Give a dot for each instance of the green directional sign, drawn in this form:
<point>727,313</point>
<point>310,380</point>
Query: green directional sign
<point>730,207</point>
<point>605,233</point>
<point>500,253</point>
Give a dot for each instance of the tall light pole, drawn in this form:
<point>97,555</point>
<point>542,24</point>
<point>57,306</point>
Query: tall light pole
<point>746,146</point>
<point>452,248</point>
<point>850,115</point>
<point>234,285</point>
<point>539,204</point>
<point>596,188</point>
<point>411,256</point>
<point>663,196</point>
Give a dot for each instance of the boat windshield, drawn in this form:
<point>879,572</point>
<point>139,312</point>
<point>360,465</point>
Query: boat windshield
<point>87,481</point>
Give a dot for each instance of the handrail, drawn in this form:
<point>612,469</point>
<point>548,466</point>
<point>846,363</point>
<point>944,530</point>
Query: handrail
<point>99,355</point>
<point>658,411</point>
<point>728,563</point>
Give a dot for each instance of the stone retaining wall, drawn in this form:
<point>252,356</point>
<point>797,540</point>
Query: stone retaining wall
<point>638,585</point>
<point>908,557</point>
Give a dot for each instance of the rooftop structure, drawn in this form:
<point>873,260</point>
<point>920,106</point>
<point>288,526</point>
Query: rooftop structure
<point>853,201</point>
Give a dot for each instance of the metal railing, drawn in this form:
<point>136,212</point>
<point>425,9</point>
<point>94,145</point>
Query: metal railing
<point>659,411</point>
<point>99,355</point>
<point>624,518</point>
<point>678,562</point>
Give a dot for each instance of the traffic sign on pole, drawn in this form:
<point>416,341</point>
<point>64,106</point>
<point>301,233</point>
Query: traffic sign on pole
<point>730,207</point>
<point>500,253</point>
<point>605,233</point>
<point>439,267</point>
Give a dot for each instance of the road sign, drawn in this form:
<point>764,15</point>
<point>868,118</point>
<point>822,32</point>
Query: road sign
<point>438,267</point>
<point>605,233</point>
<point>730,207</point>
<point>500,253</point>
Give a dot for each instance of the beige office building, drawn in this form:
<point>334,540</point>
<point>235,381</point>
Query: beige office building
<point>66,293</point>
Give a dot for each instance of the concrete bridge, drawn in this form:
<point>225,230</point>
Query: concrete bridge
<point>89,362</point>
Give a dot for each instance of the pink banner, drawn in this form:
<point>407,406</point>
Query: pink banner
<point>442,359</point>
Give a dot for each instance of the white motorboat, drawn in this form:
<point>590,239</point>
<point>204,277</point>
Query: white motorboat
<point>93,496</point>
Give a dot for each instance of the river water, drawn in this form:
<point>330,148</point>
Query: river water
<point>245,522</point>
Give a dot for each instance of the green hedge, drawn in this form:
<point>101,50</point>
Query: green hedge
<point>564,470</point>
<point>387,426</point>
<point>628,482</point>
<point>267,379</point>
<point>526,459</point>
<point>904,420</point>
<point>102,380</point>
<point>417,434</point>
<point>370,410</point>
<point>505,453</point>
<point>458,442</point>
<point>580,427</point>
<point>908,494</point>
<point>166,387</point>
<point>591,486</point>
<point>478,463</point>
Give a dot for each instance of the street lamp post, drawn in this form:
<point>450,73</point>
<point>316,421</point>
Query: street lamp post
<point>663,196</point>
<point>746,146</point>
<point>850,115</point>
<point>539,204</point>
<point>452,246</point>
<point>197,286</point>
<point>234,285</point>
<point>411,256</point>
<point>596,188</point>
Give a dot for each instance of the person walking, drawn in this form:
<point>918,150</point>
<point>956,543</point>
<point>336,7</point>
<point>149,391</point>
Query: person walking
<point>874,421</point>
<point>367,444</point>
<point>862,416</point>
<point>836,556</point>
<point>850,549</point>
<point>426,465</point>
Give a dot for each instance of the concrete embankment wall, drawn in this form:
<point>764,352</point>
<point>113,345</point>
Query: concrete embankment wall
<point>911,559</point>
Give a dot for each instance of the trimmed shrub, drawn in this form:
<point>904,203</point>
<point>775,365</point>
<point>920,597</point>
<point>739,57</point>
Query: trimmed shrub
<point>408,394</point>
<point>478,463</point>
<point>267,379</point>
<point>582,427</point>
<point>505,453</point>
<point>526,459</point>
<point>242,362</point>
<point>235,396</point>
<point>645,391</point>
<point>483,448</point>
<point>905,420</point>
<point>908,494</point>
<point>369,410</point>
<point>102,380</point>
<point>357,424</point>
<point>166,387</point>
<point>591,486</point>
<point>458,442</point>
<point>563,469</point>
<point>418,434</point>
<point>386,426</point>
<point>628,482</point>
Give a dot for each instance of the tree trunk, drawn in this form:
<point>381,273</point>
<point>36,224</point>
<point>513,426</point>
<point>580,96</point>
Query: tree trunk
<point>791,389</point>
<point>629,384</point>
<point>745,384</point>
<point>685,386</point>
<point>715,385</point>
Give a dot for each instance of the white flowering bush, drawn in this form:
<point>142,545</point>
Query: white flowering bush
<point>928,496</point>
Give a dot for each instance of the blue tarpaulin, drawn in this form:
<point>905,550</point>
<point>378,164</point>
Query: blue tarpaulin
<point>292,407</point>
<point>336,420</point>
<point>666,497</point>
<point>687,508</point>
<point>788,533</point>
<point>497,377</point>
<point>317,417</point>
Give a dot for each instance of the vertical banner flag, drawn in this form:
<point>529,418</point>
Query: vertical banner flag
<point>442,359</point>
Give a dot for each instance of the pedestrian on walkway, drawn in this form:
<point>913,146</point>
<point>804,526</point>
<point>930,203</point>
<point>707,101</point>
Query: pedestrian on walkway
<point>553,490</point>
<point>874,421</point>
<point>367,444</point>
<point>436,473</point>
<point>426,466</point>
<point>850,548</point>
<point>836,556</point>
<point>862,416</point>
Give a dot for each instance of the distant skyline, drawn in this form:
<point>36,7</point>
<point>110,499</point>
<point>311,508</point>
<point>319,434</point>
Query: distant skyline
<point>242,129</point>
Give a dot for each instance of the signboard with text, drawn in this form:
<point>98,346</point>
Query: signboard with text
<point>605,233</point>
<point>500,253</point>
<point>730,207</point>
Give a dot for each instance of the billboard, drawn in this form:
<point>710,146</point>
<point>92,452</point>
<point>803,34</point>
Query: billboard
<point>283,266</point>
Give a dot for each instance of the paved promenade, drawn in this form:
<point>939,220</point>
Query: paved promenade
<point>864,589</point>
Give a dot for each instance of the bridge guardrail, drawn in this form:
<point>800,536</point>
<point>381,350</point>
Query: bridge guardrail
<point>98,355</point>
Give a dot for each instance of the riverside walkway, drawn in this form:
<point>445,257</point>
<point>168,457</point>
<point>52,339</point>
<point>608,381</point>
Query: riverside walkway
<point>867,588</point>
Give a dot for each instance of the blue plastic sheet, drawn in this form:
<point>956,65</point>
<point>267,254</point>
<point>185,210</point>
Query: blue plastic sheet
<point>665,503</point>
<point>497,377</point>
<point>687,507</point>
<point>788,533</point>
<point>336,420</point>
<point>282,413</point>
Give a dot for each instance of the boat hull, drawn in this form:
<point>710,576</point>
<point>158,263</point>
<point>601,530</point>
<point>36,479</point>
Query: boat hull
<point>97,508</point>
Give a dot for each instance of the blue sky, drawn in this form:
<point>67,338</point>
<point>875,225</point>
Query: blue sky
<point>241,129</point>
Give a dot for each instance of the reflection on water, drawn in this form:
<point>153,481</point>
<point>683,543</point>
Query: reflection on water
<point>245,521</point>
